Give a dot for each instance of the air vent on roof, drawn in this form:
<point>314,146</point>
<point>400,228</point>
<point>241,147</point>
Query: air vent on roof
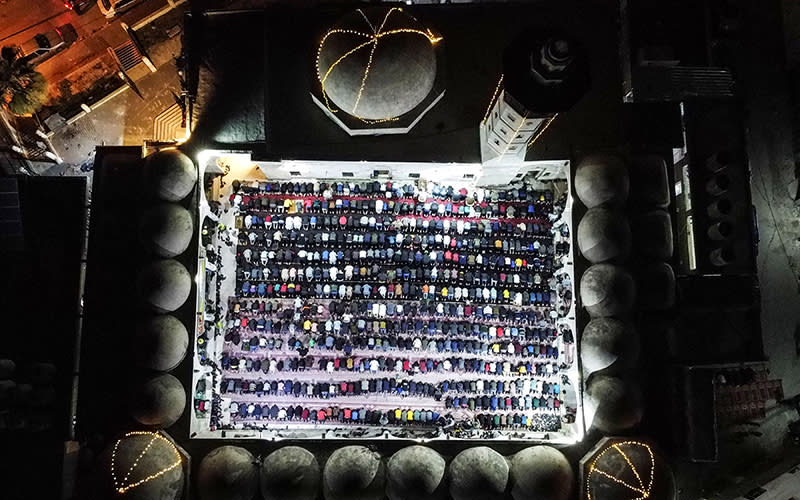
<point>381,173</point>
<point>347,174</point>
<point>519,175</point>
<point>469,176</point>
<point>413,175</point>
<point>294,173</point>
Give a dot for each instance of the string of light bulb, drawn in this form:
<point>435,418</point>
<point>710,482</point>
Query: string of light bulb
<point>541,130</point>
<point>121,486</point>
<point>644,492</point>
<point>373,40</point>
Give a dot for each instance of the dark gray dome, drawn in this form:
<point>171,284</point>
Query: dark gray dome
<point>604,235</point>
<point>43,373</point>
<point>164,285</point>
<point>228,473</point>
<point>617,403</point>
<point>166,229</point>
<point>655,285</point>
<point>650,181</point>
<point>389,75</point>
<point>158,471</point>
<point>653,235</point>
<point>607,290</point>
<point>639,469</point>
<point>608,343</point>
<point>8,389</point>
<point>170,175</point>
<point>541,473</point>
<point>290,473</point>
<point>158,401</point>
<point>353,473</point>
<point>478,473</point>
<point>602,180</point>
<point>160,343</point>
<point>415,473</point>
<point>7,368</point>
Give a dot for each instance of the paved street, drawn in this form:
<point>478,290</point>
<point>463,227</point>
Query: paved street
<point>21,20</point>
<point>126,120</point>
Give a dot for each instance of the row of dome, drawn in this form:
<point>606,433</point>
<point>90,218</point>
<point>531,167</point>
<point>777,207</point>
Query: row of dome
<point>351,472</point>
<point>610,346</point>
<point>164,285</point>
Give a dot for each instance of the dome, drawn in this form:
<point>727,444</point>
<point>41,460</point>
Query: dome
<point>164,285</point>
<point>653,235</point>
<point>650,181</point>
<point>617,403</point>
<point>602,180</point>
<point>607,290</point>
<point>160,343</point>
<point>478,473</point>
<point>170,175</point>
<point>7,368</point>
<point>655,284</point>
<point>640,472</point>
<point>166,229</point>
<point>290,473</point>
<point>140,466</point>
<point>415,473</point>
<point>228,473</point>
<point>370,69</point>
<point>541,473</point>
<point>8,389</point>
<point>353,473</point>
<point>603,235</point>
<point>608,342</point>
<point>43,373</point>
<point>158,401</point>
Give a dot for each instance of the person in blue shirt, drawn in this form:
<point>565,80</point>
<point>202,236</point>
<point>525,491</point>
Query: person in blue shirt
<point>493,403</point>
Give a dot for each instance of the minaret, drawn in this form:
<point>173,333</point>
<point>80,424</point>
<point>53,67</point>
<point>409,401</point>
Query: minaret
<point>543,74</point>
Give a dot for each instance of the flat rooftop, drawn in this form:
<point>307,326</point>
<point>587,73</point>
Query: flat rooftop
<point>252,73</point>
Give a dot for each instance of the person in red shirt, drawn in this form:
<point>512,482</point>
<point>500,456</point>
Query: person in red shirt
<point>305,414</point>
<point>321,415</point>
<point>347,413</point>
<point>406,365</point>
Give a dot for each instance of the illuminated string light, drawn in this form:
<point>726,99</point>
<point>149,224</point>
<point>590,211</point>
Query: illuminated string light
<point>494,97</point>
<point>541,130</point>
<point>643,491</point>
<point>374,38</point>
<point>121,485</point>
<point>516,131</point>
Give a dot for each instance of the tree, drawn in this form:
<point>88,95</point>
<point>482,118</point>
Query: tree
<point>23,90</point>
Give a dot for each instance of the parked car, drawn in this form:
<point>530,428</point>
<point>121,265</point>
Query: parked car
<point>44,45</point>
<point>79,6</point>
<point>111,8</point>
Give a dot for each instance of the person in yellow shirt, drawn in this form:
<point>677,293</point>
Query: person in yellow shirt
<point>398,414</point>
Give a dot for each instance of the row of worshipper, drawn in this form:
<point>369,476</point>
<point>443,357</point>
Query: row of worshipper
<point>542,365</point>
<point>443,344</point>
<point>539,386</point>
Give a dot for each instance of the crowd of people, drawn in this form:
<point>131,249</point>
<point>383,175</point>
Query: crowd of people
<point>450,300</point>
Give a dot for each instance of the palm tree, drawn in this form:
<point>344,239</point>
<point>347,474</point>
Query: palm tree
<point>23,90</point>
